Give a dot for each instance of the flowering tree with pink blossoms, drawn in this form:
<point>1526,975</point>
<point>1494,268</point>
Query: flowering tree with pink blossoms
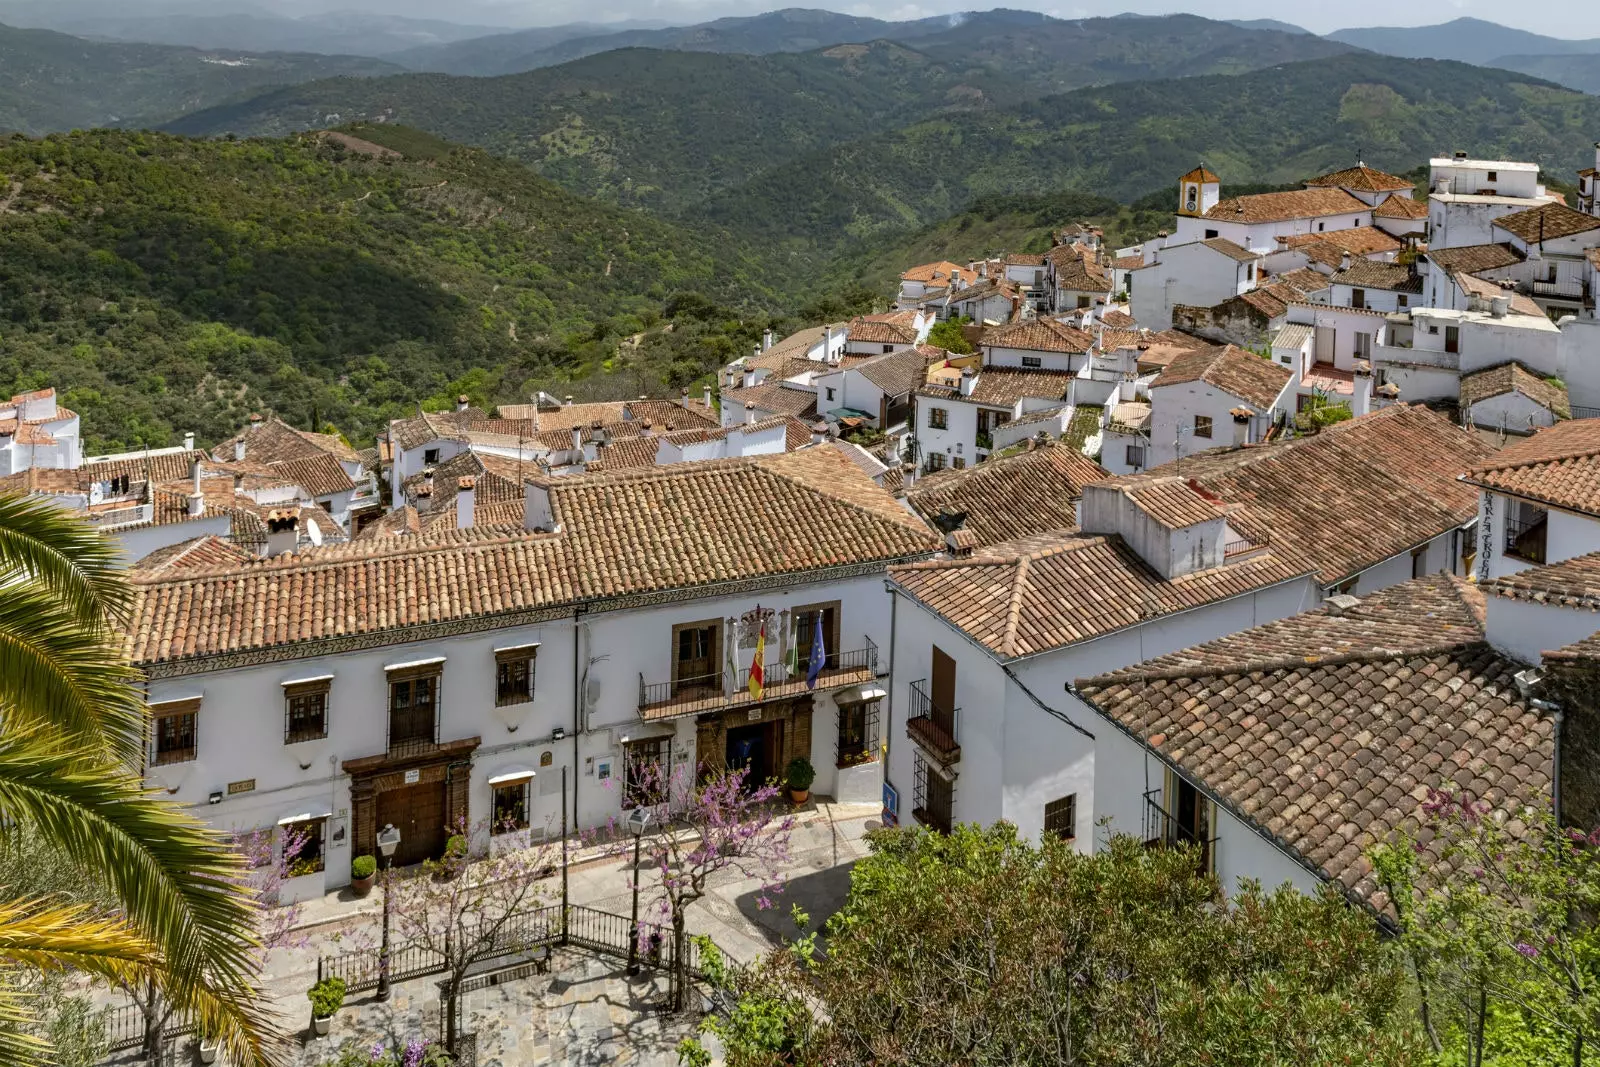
<point>266,868</point>
<point>701,827</point>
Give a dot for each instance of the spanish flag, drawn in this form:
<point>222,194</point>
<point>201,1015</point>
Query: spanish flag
<point>757,681</point>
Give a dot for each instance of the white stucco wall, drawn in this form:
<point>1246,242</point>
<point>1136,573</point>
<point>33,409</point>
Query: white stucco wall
<point>1525,630</point>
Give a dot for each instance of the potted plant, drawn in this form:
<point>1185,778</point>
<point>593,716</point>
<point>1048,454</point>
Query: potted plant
<point>363,869</point>
<point>800,775</point>
<point>208,1048</point>
<point>326,997</point>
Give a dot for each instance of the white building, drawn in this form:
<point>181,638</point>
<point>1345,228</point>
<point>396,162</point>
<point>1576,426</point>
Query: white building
<point>36,432</point>
<point>1538,502</point>
<point>1427,356</point>
<point>1466,196</point>
<point>1197,273</point>
<point>1216,396</point>
<point>486,664</point>
<point>1589,185</point>
<point>1554,241</point>
<point>324,465</point>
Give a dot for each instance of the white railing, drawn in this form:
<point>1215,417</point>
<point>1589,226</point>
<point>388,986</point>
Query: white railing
<point>1415,356</point>
<point>134,515</point>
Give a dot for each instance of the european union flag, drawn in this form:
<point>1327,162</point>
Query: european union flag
<point>819,656</point>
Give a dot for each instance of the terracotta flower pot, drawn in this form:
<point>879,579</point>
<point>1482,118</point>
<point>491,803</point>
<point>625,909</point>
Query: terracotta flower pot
<point>362,886</point>
<point>799,796</point>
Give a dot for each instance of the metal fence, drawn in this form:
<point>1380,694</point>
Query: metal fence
<point>124,1026</point>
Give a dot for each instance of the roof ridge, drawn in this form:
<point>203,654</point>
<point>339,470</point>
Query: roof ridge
<point>1019,583</point>
<point>911,521</point>
<point>1265,664</point>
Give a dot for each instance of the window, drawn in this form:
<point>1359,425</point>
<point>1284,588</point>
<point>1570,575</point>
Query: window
<point>959,463</point>
<point>935,462</point>
<point>1400,300</point>
<point>1061,817</point>
<point>1493,175</point>
<point>1452,339</point>
<point>938,418</point>
<point>1550,273</point>
<point>305,839</point>
<point>1355,222</point>
<point>1202,425</point>
<point>1249,272</point>
<point>888,348</point>
<point>510,807</point>
<point>1083,301</point>
<point>1419,561</point>
<point>1135,457</point>
<point>695,650</point>
<point>175,727</point>
<point>1033,362</point>
<point>1358,298</point>
<point>858,732</point>
<point>513,674</point>
<point>933,798</point>
<point>805,633</point>
<point>430,456</point>
<point>1191,197</point>
<point>646,769</point>
<point>1002,417</point>
<point>1321,226</point>
<point>413,703</point>
<point>306,710</point>
<point>1363,346</point>
<point>830,394</point>
<point>1210,234</point>
<point>1343,588</point>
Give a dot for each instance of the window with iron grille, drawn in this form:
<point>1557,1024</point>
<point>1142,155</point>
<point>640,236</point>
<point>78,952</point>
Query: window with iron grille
<point>1135,456</point>
<point>932,798</point>
<point>1202,425</point>
<point>305,711</point>
<point>413,708</point>
<point>176,726</point>
<point>858,732</point>
<point>510,807</point>
<point>514,675</point>
<point>1033,362</point>
<point>647,768</point>
<point>938,418</point>
<point>1061,817</point>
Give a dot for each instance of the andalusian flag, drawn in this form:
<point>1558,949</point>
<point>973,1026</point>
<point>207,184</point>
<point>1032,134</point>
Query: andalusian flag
<point>757,680</point>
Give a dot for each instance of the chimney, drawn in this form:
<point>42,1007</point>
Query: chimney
<point>196,499</point>
<point>1340,603</point>
<point>424,492</point>
<point>749,413</point>
<point>1461,155</point>
<point>827,344</point>
<point>749,378</point>
<point>908,475</point>
<point>188,442</point>
<point>283,530</point>
<point>648,429</point>
<point>466,500</point>
<point>1344,261</point>
<point>577,438</point>
<point>238,449</point>
<point>537,515</point>
<point>1498,306</point>
<point>255,421</point>
<point>819,432</point>
<point>463,402</point>
<point>766,340</point>
<point>706,396</point>
<point>1444,186</point>
<point>569,400</point>
<point>968,380</point>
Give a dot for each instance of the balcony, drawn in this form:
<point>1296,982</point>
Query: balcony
<point>985,439</point>
<point>712,692</point>
<point>1569,290</point>
<point>1525,538</point>
<point>412,732</point>
<point>118,518</point>
<point>933,728</point>
<point>1161,830</point>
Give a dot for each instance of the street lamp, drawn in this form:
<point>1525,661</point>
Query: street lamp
<point>388,841</point>
<point>638,821</point>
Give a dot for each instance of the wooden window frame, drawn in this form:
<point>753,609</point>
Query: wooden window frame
<point>166,711</point>
<point>938,418</point>
<point>319,836</point>
<point>1203,420</point>
<point>830,632</point>
<point>498,827</point>
<point>715,625</point>
<point>392,678</point>
<point>528,657</point>
<point>868,712</point>
<point>1054,820</point>
<point>1032,362</point>
<point>300,691</point>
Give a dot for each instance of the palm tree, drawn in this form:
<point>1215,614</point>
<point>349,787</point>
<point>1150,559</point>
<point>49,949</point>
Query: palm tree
<point>71,746</point>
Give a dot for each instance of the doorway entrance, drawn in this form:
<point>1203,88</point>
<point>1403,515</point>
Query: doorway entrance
<point>754,748</point>
<point>418,812</point>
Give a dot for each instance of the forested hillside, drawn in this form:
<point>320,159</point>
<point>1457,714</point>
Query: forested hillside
<point>169,285</point>
<point>52,81</point>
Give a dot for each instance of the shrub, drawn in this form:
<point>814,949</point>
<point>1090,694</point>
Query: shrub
<point>363,867</point>
<point>456,846</point>
<point>326,997</point>
<point>801,774</point>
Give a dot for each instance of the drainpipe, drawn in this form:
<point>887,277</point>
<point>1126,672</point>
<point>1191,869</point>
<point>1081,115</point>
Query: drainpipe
<point>888,701</point>
<point>577,704</point>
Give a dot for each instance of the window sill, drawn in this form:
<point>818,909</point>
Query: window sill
<point>187,756</point>
<point>844,765</point>
<point>303,738</point>
<point>502,702</point>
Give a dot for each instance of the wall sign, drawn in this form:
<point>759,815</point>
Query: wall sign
<point>413,777</point>
<point>546,758</point>
<point>245,786</point>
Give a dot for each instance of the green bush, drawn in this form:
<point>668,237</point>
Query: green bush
<point>800,774</point>
<point>326,997</point>
<point>363,867</point>
<point>455,846</point>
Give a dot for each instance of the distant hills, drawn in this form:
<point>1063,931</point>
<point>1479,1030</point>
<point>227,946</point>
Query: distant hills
<point>1468,40</point>
<point>52,81</point>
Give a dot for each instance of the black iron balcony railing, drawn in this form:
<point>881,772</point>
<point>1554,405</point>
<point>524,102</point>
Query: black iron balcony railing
<point>1161,830</point>
<point>1525,539</point>
<point>710,692</point>
<point>413,731</point>
<point>932,798</point>
<point>932,726</point>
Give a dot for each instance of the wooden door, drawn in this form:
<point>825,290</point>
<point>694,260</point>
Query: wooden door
<point>418,812</point>
<point>943,693</point>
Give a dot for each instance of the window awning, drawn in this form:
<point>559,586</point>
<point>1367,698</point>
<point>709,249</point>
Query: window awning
<point>516,774</point>
<point>858,694</point>
<point>531,646</point>
<point>307,681</point>
<point>304,816</point>
<point>413,664</point>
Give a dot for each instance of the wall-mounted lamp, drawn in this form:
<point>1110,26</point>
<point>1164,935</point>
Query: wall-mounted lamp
<point>558,733</point>
<point>215,798</point>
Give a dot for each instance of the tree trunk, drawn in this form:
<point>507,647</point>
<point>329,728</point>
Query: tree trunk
<point>451,999</point>
<point>680,962</point>
<point>155,1019</point>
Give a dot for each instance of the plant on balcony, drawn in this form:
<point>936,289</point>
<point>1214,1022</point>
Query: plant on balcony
<point>799,775</point>
<point>326,997</point>
<point>985,439</point>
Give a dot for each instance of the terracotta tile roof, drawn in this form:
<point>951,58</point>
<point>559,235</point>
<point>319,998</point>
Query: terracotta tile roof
<point>775,397</point>
<point>1118,319</point>
<point>207,551</point>
<point>1321,252</point>
<point>903,371</point>
<point>1370,274</point>
<point>1305,279</point>
<point>1200,174</point>
<point>938,271</point>
<point>676,527</point>
<point>1572,583</point>
<point>1004,386</point>
<point>163,468</point>
<point>1358,241</point>
<point>1028,493</point>
<point>1514,377</point>
<point>1474,258</point>
<point>1546,223</point>
<point>1280,207</point>
<point>1327,730</point>
<point>1489,289</point>
<point>1400,207</point>
<point>1558,465</point>
<point>1025,259</point>
<point>1076,268</point>
<point>627,453</point>
<point>567,416</point>
<point>1039,335</point>
<point>518,411</point>
<point>1233,370</point>
<point>275,441</point>
<point>400,522</point>
<point>1271,300</point>
<point>1022,597</point>
<point>1172,501</point>
<point>319,475</point>
<point>1111,339</point>
<point>1231,250</point>
<point>1133,262</point>
<point>419,429</point>
<point>887,333</point>
<point>1349,497</point>
<point>666,415</point>
<point>1363,179</point>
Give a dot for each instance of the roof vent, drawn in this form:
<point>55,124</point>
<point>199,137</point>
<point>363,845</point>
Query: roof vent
<point>1340,603</point>
<point>1461,155</point>
<point>1527,681</point>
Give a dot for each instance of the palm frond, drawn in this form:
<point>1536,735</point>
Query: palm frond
<point>82,568</point>
<point>17,1045</point>
<point>56,672</point>
<point>175,879</point>
<point>48,936</point>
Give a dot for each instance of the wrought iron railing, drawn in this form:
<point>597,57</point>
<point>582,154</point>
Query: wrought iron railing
<point>413,732</point>
<point>1574,290</point>
<point>125,1025</point>
<point>932,726</point>
<point>779,681</point>
<point>1585,413</point>
<point>1526,539</point>
<point>932,798</point>
<point>1162,830</point>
